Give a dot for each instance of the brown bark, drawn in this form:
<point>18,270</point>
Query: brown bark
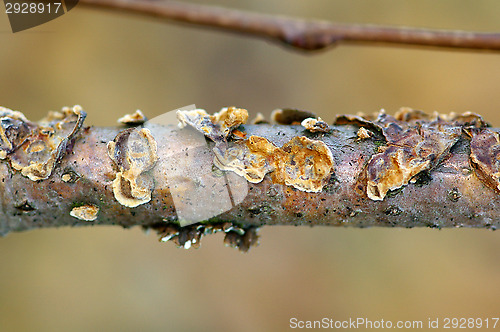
<point>298,33</point>
<point>452,193</point>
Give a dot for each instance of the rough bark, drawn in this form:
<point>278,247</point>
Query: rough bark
<point>457,191</point>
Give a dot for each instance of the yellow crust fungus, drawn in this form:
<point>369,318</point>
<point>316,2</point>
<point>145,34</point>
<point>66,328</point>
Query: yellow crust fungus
<point>392,169</point>
<point>134,152</point>
<point>85,212</point>
<point>230,118</point>
<point>302,163</point>
<point>243,160</point>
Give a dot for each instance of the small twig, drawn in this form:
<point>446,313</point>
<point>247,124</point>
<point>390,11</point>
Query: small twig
<point>306,35</point>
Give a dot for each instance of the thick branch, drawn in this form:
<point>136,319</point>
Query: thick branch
<point>299,33</point>
<point>446,197</point>
<point>404,171</point>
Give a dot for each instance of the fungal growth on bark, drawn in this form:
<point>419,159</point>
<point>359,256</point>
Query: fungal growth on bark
<point>364,133</point>
<point>201,121</point>
<point>303,163</point>
<point>34,149</point>
<point>485,155</point>
<point>259,119</point>
<point>408,170</point>
<point>230,118</point>
<point>315,125</point>
<point>135,119</point>
<point>134,153</point>
<point>240,158</point>
<point>415,142</point>
<point>85,212</point>
<point>190,236</point>
<point>14,128</point>
<point>217,127</point>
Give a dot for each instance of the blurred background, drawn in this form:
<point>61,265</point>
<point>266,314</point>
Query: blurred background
<point>111,279</point>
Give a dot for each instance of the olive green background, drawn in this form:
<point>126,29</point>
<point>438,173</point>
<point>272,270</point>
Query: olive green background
<point>111,279</point>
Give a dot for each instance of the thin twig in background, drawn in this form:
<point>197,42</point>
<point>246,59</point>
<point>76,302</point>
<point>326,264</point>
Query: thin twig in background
<point>305,35</point>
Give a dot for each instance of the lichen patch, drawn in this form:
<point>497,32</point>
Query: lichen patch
<point>135,153</point>
<point>134,119</point>
<point>85,212</point>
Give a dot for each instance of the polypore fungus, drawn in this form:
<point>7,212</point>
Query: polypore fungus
<point>134,152</point>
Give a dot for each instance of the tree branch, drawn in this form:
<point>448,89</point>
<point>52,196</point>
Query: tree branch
<point>403,171</point>
<point>298,33</point>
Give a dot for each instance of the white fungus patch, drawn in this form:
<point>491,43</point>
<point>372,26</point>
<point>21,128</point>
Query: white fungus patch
<point>315,125</point>
<point>134,119</point>
<point>85,212</point>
